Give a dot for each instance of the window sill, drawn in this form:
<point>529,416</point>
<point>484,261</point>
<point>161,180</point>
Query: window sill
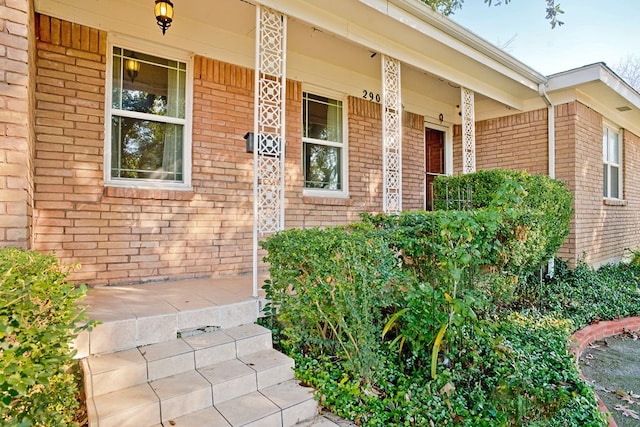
<point>326,201</point>
<point>150,194</point>
<point>614,202</point>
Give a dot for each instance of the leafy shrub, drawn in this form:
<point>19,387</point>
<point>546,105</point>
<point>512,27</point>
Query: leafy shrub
<point>329,288</point>
<point>444,288</point>
<point>518,370</point>
<point>443,243</point>
<point>540,217</point>
<point>38,322</point>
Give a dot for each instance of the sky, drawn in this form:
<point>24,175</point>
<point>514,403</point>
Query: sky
<point>593,31</point>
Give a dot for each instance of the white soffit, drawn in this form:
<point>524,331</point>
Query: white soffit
<point>593,76</point>
<point>190,31</point>
<point>420,16</point>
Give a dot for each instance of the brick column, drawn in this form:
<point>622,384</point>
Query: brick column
<point>16,122</point>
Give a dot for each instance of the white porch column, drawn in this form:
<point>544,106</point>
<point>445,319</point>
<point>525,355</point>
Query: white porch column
<point>268,128</point>
<point>391,135</point>
<point>468,131</point>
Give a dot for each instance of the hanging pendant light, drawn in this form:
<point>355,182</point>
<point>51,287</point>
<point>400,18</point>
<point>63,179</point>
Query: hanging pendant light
<point>164,14</point>
<point>132,66</point>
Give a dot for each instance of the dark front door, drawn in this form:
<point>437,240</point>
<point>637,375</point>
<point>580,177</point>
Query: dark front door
<point>434,149</point>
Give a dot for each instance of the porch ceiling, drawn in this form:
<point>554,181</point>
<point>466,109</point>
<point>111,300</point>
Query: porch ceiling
<point>333,33</point>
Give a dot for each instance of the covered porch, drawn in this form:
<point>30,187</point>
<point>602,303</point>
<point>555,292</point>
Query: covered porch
<point>395,66</point>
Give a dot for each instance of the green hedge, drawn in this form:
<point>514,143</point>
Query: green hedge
<point>541,214</point>
<point>38,323</point>
<point>403,319</point>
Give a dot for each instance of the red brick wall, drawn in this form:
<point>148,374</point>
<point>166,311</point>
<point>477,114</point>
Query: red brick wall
<point>69,144</point>
<point>565,118</point>
<point>588,183</point>
<point>16,122</point>
<point>413,162</point>
<point>511,142</point>
<point>604,229</point>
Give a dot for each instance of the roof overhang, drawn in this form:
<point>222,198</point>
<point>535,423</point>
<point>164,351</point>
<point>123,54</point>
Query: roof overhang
<point>597,86</point>
<point>500,59</point>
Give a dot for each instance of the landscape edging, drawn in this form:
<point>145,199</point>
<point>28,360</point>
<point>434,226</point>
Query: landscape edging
<point>597,331</point>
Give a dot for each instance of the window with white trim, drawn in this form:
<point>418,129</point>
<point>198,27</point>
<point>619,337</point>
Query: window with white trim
<point>147,113</point>
<point>612,163</point>
<point>323,151</point>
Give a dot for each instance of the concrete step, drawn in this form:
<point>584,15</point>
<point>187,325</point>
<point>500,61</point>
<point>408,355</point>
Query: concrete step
<point>133,406</point>
<point>296,402</point>
<point>123,330</point>
<point>283,405</point>
<point>232,376</point>
<point>182,394</point>
<point>229,387</point>
<point>106,373</point>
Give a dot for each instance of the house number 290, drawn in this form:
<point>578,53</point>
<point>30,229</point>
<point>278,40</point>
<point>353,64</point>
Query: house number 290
<point>366,94</point>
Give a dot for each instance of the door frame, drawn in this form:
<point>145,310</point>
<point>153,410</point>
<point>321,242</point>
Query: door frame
<point>448,150</point>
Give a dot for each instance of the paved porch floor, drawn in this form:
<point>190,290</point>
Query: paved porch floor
<point>124,302</point>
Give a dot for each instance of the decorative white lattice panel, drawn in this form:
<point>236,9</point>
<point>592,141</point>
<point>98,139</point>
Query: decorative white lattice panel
<point>468,131</point>
<point>391,135</point>
<point>268,128</point>
<point>270,84</point>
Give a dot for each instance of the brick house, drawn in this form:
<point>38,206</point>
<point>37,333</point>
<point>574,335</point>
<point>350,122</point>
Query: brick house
<point>127,151</point>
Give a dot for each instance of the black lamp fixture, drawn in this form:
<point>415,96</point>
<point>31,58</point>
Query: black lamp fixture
<point>164,14</point>
<point>132,66</point>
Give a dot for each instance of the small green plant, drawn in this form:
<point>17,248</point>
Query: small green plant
<point>39,319</point>
<point>585,295</point>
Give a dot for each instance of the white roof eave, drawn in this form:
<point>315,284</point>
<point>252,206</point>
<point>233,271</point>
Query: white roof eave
<point>594,73</point>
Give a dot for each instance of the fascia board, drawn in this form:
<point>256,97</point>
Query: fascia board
<point>572,78</point>
<point>628,120</point>
<point>618,85</point>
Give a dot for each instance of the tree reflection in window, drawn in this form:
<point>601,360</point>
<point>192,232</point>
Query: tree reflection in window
<point>147,150</point>
<point>322,142</point>
<point>147,122</point>
<point>322,167</point>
